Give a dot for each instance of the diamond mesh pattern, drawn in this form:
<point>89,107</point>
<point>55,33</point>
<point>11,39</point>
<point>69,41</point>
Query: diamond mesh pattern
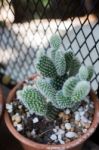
<point>26,26</point>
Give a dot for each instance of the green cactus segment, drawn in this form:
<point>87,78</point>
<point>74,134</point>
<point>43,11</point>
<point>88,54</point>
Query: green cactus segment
<point>33,100</point>
<point>90,72</point>
<point>51,53</point>
<point>74,67</point>
<point>60,63</point>
<point>46,67</point>
<point>69,86</point>
<point>81,91</point>
<point>55,41</point>
<point>46,89</point>
<point>68,59</point>
<point>62,101</point>
<point>83,73</point>
<point>58,81</point>
<point>40,53</point>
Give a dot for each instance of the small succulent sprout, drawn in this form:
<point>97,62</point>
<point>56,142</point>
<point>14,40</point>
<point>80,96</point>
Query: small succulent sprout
<point>33,100</point>
<point>68,58</point>
<point>60,63</point>
<point>63,102</point>
<point>69,86</point>
<point>85,73</point>
<point>74,66</point>
<point>46,89</point>
<point>55,41</point>
<point>46,67</point>
<point>81,90</point>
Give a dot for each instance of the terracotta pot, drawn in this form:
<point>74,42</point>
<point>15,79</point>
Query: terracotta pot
<point>30,145</point>
<point>1,103</point>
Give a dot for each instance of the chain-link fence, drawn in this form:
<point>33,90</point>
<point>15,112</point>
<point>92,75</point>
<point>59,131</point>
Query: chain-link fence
<point>27,25</point>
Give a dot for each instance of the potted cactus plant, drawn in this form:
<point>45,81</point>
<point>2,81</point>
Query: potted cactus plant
<point>55,109</point>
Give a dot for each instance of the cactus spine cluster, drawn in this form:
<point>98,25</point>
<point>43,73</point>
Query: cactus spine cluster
<point>63,81</point>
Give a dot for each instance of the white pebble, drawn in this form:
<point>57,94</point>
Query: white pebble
<point>59,137</point>
<point>61,141</point>
<point>57,127</point>
<point>33,132</point>
<point>9,107</point>
<point>81,109</point>
<point>91,105</point>
<point>55,130</point>
<point>19,127</point>
<point>68,126</point>
<point>77,116</point>
<point>71,135</point>
<point>60,132</point>
<point>84,119</point>
<point>67,111</point>
<point>35,120</point>
<point>82,113</point>
<point>53,137</point>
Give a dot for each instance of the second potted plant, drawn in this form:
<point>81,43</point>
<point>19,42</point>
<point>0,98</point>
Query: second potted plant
<point>55,109</point>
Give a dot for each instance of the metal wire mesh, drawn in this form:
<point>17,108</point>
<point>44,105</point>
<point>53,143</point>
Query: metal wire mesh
<point>27,25</point>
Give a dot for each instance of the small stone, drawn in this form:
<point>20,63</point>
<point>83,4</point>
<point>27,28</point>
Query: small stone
<point>87,125</point>
<point>77,116</point>
<point>9,106</point>
<point>61,141</point>
<point>66,117</point>
<point>35,120</point>
<point>81,109</point>
<point>55,130</point>
<point>61,115</point>
<point>57,127</point>
<point>82,113</point>
<point>33,133</point>
<point>84,119</point>
<point>67,111</point>
<point>71,135</point>
<point>15,124</point>
<point>68,126</point>
<point>20,106</point>
<point>19,127</point>
<point>53,137</point>
<point>59,137</point>
<point>62,127</point>
<point>84,130</point>
<point>18,119</point>
<point>60,132</point>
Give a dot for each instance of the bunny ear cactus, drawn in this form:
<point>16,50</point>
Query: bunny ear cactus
<point>60,63</point>
<point>46,89</point>
<point>33,100</point>
<point>63,83</point>
<point>46,67</point>
<point>85,73</point>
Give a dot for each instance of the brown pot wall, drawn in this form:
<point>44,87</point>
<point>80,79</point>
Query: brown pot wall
<point>1,103</point>
<point>74,145</point>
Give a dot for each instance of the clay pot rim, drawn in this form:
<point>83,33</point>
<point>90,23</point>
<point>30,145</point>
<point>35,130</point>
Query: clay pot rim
<point>1,103</point>
<point>68,145</point>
